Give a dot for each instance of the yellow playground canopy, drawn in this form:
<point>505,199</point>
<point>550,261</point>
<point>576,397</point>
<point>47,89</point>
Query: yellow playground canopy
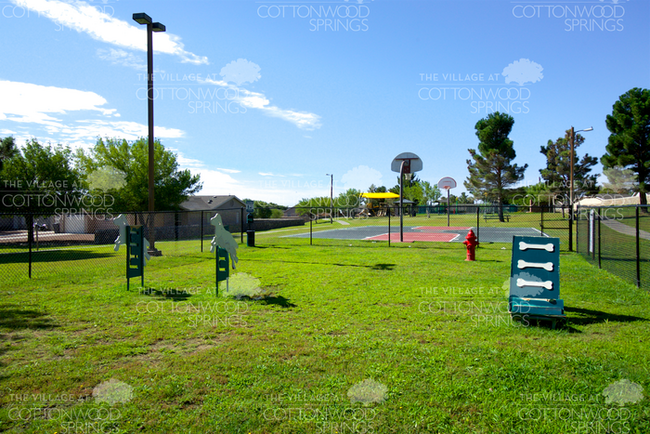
<point>380,195</point>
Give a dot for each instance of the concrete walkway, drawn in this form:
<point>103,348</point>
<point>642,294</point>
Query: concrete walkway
<point>625,229</point>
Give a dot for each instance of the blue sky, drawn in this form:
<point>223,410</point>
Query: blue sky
<point>264,98</point>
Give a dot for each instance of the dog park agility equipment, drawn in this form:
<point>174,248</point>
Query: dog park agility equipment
<point>136,248</point>
<point>226,247</point>
<point>535,279</point>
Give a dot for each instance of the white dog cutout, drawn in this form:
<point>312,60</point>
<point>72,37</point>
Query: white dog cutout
<point>223,239</point>
<point>120,222</point>
<point>122,238</point>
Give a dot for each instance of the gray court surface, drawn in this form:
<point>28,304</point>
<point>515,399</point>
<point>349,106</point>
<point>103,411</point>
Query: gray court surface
<point>416,233</point>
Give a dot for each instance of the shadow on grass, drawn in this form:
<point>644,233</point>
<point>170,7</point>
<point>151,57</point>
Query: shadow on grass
<point>384,267</point>
<point>15,318</point>
<point>166,293</point>
<point>270,246</point>
<point>587,316</point>
<point>278,301</point>
<point>52,256</point>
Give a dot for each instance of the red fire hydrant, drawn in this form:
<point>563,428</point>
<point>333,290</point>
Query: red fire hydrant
<point>471,243</point>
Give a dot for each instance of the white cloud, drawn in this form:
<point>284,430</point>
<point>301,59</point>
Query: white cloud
<point>192,163</point>
<point>228,170</point>
<point>188,163</point>
<point>282,191</point>
<point>255,100</point>
<point>216,182</point>
<point>122,58</point>
<point>36,104</point>
<point>100,25</point>
<point>26,102</point>
<point>361,177</point>
<point>122,129</point>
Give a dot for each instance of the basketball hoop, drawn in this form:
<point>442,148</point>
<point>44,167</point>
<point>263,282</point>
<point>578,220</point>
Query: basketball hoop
<point>405,164</point>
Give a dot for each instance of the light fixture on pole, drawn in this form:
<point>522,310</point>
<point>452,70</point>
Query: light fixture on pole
<point>143,18</point>
<point>331,196</point>
<point>571,189</point>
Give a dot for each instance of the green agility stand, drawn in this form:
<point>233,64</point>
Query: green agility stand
<point>134,254</point>
<point>223,270</point>
<point>535,279</point>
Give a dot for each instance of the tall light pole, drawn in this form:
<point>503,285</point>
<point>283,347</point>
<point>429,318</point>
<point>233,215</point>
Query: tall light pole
<point>331,196</point>
<point>143,18</point>
<point>571,189</point>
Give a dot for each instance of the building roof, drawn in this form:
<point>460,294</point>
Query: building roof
<point>211,203</point>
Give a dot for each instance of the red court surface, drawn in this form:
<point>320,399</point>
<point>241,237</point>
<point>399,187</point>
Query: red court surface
<point>409,237</point>
<point>441,228</point>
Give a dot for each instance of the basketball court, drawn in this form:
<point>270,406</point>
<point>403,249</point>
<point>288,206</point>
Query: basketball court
<point>442,234</point>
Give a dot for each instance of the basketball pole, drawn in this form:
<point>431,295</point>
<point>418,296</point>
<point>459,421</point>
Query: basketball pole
<point>448,205</point>
<point>401,202</point>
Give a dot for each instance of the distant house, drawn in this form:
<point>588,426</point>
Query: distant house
<point>229,208</point>
<point>609,200</point>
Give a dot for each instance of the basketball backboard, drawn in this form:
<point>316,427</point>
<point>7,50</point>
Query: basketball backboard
<point>412,163</point>
<point>447,183</point>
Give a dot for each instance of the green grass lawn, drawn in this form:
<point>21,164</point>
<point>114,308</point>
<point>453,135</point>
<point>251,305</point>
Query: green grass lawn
<point>340,337</point>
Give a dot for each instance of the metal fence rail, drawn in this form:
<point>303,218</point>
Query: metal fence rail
<point>31,245</point>
<point>435,223</point>
<point>34,246</point>
<point>616,239</point>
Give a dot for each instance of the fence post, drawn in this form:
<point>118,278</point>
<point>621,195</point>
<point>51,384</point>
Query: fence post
<point>388,226</point>
<point>241,232</point>
<point>570,228</point>
<point>478,219</point>
<point>201,231</point>
<point>176,225</point>
<point>599,212</point>
<point>592,235</point>
<point>638,251</point>
<point>541,221</point>
<point>310,222</point>
<point>30,239</point>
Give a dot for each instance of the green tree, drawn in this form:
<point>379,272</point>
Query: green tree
<point>265,210</point>
<point>491,170</point>
<point>112,157</point>
<point>348,199</point>
<point>619,181</point>
<point>430,193</point>
<point>534,195</point>
<point>465,199</point>
<point>40,179</point>
<point>628,147</point>
<point>557,173</point>
<point>316,205</point>
<point>7,149</point>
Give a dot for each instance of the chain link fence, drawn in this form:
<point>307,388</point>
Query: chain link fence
<point>424,223</point>
<point>616,239</point>
<point>32,245</point>
<point>35,246</point>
